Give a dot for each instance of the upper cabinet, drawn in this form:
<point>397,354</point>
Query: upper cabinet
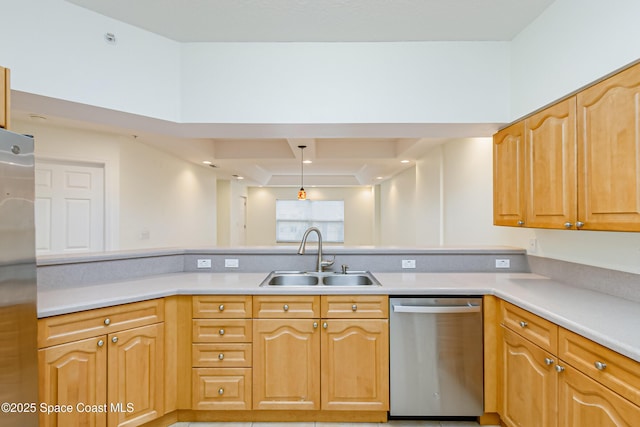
<point>508,176</point>
<point>580,161</point>
<point>609,153</point>
<point>4,98</point>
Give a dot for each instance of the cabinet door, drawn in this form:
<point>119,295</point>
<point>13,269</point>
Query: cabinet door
<point>355,365</point>
<point>529,384</point>
<point>72,374</point>
<point>550,167</point>
<point>609,153</point>
<point>508,176</point>
<point>286,364</point>
<point>136,375</point>
<point>586,403</point>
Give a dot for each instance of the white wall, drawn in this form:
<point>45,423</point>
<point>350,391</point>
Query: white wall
<point>146,190</point>
<point>571,44</point>
<point>359,212</point>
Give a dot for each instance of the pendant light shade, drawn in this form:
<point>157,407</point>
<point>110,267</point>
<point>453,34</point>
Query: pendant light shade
<point>302,195</point>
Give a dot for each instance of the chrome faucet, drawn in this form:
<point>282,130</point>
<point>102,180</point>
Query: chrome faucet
<point>321,264</point>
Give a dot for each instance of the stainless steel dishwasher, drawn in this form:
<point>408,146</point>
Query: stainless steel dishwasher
<point>436,359</point>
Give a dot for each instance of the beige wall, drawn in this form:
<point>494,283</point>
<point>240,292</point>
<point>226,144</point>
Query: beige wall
<point>146,191</point>
<point>359,212</point>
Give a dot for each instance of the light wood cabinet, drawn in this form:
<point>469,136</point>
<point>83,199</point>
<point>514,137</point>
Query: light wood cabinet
<point>550,167</point>
<point>286,364</point>
<point>609,153</point>
<point>580,383</point>
<point>508,176</point>
<point>575,164</point>
<point>339,362</point>
<point>5,91</point>
<point>355,364</point>
<point>221,352</point>
<point>529,383</point>
<point>121,371</point>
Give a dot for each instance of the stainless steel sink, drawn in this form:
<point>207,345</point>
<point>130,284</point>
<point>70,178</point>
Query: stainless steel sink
<point>312,278</point>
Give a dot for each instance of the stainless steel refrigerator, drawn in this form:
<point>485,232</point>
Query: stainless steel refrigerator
<point>18,315</point>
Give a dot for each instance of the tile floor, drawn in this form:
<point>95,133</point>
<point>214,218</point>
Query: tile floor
<point>323,424</point>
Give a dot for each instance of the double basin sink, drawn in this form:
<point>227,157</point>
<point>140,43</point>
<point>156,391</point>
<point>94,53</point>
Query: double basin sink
<point>312,278</point>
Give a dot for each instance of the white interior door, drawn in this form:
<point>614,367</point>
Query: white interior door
<point>69,207</point>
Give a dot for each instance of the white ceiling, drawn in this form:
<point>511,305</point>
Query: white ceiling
<point>340,154</point>
<point>324,20</point>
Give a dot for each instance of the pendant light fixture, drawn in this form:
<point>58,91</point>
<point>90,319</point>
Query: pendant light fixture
<point>302,195</point>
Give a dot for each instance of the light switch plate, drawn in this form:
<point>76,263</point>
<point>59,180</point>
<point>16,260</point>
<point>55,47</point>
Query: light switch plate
<point>204,263</point>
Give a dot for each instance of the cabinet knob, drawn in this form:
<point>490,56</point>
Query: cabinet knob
<point>600,366</point>
<point>221,356</point>
<point>548,361</point>
<point>220,391</point>
<point>559,368</point>
<point>100,343</point>
<point>114,340</point>
<point>568,224</point>
<point>315,325</point>
<point>285,307</point>
<point>221,307</point>
<point>523,324</point>
<point>521,223</point>
<point>354,307</point>
<point>107,321</point>
<point>325,325</point>
<point>221,331</point>
<point>579,224</point>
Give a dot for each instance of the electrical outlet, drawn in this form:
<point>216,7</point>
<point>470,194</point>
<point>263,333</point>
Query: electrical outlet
<point>503,263</point>
<point>232,263</point>
<point>204,263</point>
<point>533,246</point>
<point>408,263</point>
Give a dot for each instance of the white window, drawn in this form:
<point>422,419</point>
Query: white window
<point>293,217</point>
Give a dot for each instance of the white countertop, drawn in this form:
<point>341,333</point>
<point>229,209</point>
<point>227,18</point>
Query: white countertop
<point>610,321</point>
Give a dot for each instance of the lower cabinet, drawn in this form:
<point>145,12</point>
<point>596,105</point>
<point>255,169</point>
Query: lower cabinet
<point>307,362</point>
<point>566,381</point>
<point>114,379</point>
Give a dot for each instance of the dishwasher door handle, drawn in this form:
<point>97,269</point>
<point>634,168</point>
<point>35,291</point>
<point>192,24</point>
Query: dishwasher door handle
<point>436,309</point>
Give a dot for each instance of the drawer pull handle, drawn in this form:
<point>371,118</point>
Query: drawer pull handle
<point>221,331</point>
<point>114,340</point>
<point>221,307</point>
<point>523,324</point>
<point>600,366</point>
<point>220,391</point>
<point>285,307</point>
<point>100,343</point>
<point>548,361</point>
<point>107,321</point>
<point>559,368</point>
<point>221,356</point>
<point>521,223</point>
<point>354,307</point>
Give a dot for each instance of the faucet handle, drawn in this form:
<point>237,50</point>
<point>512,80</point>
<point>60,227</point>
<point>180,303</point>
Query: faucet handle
<point>327,262</point>
<point>345,267</point>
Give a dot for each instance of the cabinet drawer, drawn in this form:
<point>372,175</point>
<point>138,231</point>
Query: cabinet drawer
<point>286,306</point>
<point>221,330</point>
<point>534,328</point>
<point>221,388</point>
<point>221,355</point>
<point>85,324</point>
<point>355,306</point>
<point>217,306</point>
<point>613,370</point>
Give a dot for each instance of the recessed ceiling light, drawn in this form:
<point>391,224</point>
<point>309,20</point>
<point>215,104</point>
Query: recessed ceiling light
<point>379,177</point>
<point>404,161</point>
<point>207,162</point>
<point>307,161</point>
